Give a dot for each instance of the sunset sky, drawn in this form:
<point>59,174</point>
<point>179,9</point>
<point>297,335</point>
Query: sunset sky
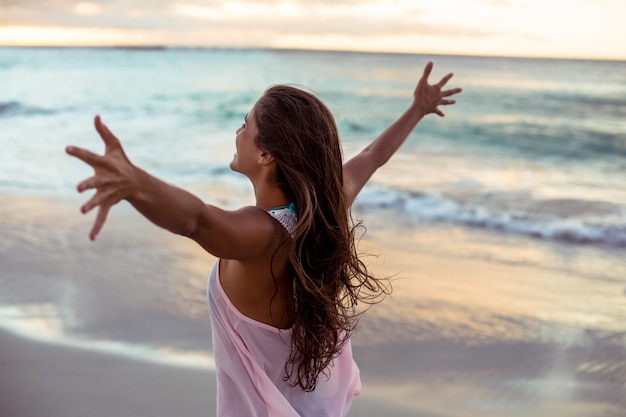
<point>544,28</point>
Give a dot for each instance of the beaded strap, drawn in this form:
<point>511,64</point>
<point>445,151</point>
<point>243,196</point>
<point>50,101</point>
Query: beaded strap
<point>286,215</point>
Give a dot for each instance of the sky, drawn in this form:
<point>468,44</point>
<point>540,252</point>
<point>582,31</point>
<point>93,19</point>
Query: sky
<point>592,29</point>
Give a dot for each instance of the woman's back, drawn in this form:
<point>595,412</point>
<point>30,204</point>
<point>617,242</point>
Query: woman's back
<point>262,289</point>
<point>251,356</point>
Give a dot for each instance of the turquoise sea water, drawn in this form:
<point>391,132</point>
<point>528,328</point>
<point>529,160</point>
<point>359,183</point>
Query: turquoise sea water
<point>534,147</point>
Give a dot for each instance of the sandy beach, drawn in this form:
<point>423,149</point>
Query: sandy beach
<point>120,327</point>
<point>45,379</point>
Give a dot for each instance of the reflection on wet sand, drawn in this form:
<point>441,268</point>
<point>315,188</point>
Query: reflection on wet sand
<point>475,327</point>
<point>44,323</point>
<point>486,338</point>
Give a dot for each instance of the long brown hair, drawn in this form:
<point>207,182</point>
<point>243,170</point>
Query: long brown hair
<point>299,131</point>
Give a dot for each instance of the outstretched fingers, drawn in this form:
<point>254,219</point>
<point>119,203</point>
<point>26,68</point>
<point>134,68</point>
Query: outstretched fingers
<point>429,96</point>
<point>84,155</point>
<point>98,199</point>
<point>427,69</point>
<point>89,184</point>
<point>103,211</point>
<point>450,92</point>
<point>108,138</point>
<point>107,171</point>
<point>443,102</point>
<point>444,80</point>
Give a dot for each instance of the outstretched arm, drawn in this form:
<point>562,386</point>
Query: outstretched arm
<point>227,234</point>
<point>426,99</point>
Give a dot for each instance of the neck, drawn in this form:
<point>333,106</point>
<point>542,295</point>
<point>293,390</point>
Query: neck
<point>269,195</point>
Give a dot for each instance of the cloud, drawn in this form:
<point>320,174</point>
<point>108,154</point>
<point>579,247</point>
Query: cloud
<point>83,14</point>
<point>510,26</point>
<point>177,15</point>
<point>346,17</point>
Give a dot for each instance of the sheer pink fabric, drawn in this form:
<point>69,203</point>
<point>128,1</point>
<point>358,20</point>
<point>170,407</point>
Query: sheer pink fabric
<point>250,360</point>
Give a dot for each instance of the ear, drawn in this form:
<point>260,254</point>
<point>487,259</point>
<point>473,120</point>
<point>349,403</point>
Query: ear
<point>265,158</point>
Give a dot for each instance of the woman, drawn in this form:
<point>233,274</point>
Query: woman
<point>283,292</point>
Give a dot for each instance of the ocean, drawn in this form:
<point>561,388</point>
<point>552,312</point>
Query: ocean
<point>534,147</point>
<point>509,213</point>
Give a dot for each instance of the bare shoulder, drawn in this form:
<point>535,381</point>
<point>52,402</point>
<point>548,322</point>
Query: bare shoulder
<point>259,226</point>
<point>244,234</point>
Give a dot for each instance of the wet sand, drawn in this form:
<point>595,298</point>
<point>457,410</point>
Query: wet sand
<point>44,379</point>
<point>120,327</point>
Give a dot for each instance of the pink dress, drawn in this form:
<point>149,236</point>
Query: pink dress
<point>250,359</point>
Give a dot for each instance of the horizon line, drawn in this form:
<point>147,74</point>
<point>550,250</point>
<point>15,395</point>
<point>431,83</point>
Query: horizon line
<point>156,47</point>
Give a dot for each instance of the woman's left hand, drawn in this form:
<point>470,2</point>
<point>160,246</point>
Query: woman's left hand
<point>428,98</point>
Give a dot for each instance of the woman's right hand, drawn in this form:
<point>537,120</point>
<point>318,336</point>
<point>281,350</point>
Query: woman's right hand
<point>114,177</point>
